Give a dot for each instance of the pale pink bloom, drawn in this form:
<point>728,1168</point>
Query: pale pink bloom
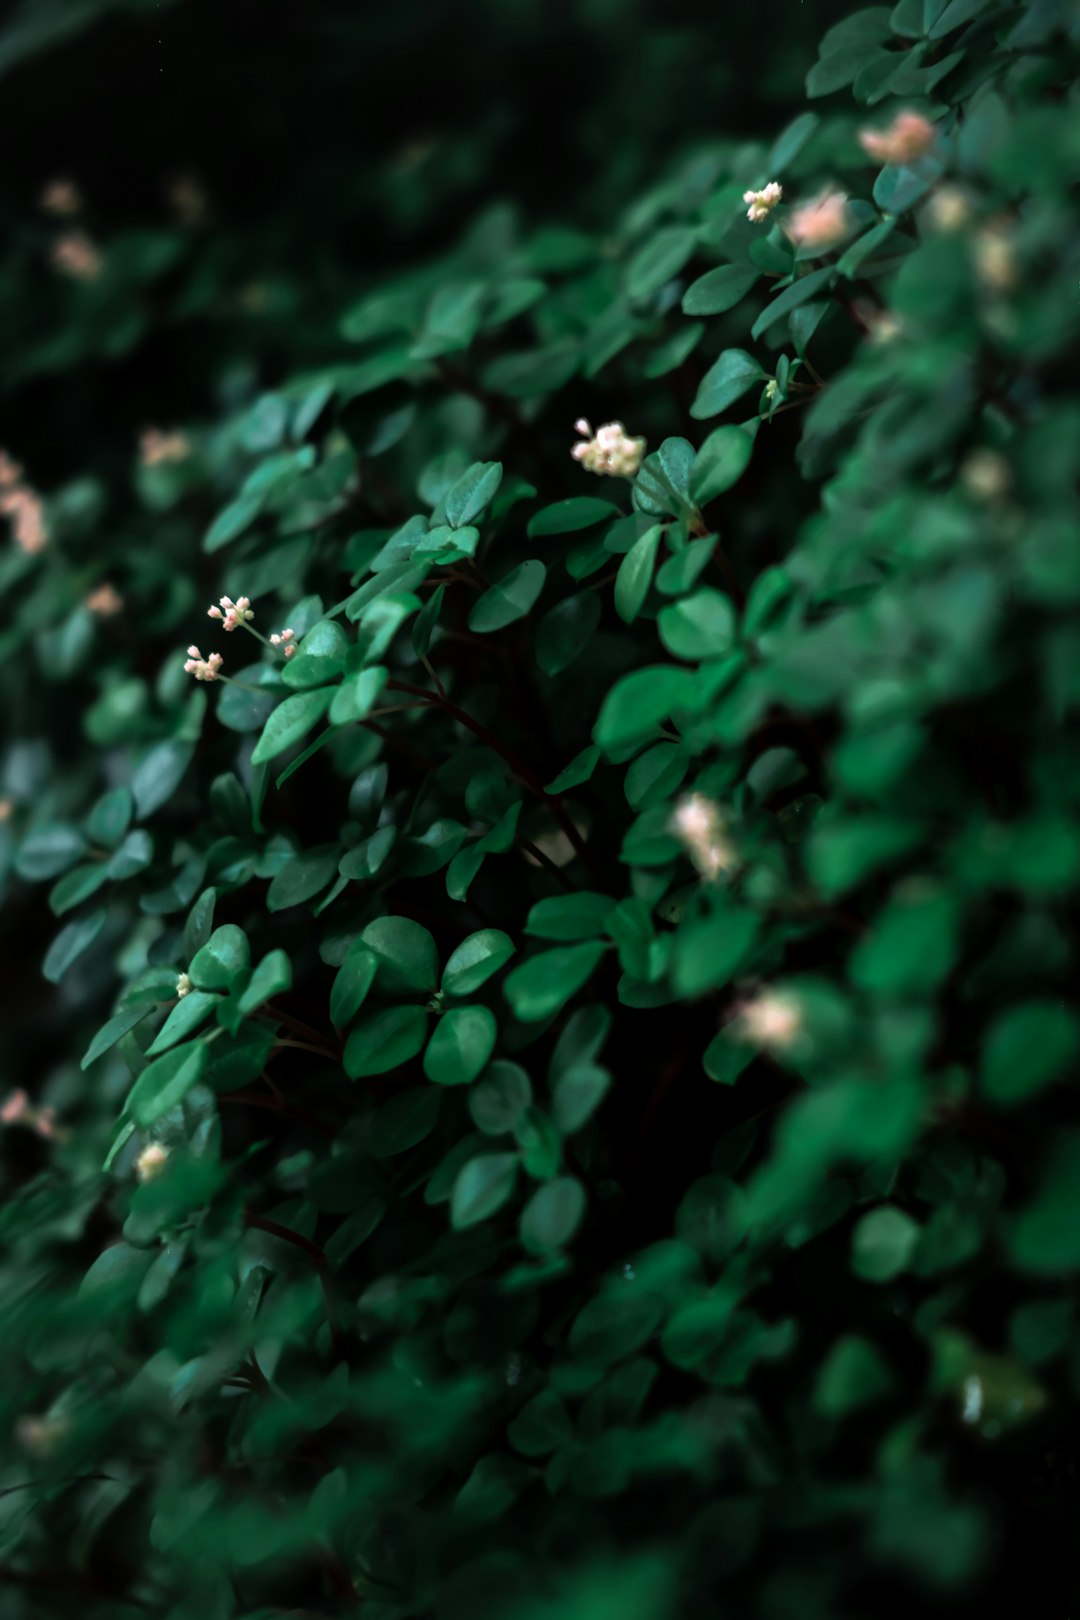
<point>908,138</point>
<point>105,601</point>
<point>61,196</point>
<point>771,1019</point>
<point>27,513</point>
<point>6,810</point>
<point>15,1108</point>
<point>203,669</point>
<point>821,223</point>
<point>610,451</point>
<point>151,1161</point>
<point>284,640</point>
<point>762,202</point>
<point>699,825</point>
<point>156,447</point>
<point>10,471</point>
<point>75,255</point>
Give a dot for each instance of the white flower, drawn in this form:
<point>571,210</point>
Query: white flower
<point>698,824</point>
<point>203,669</point>
<point>232,613</point>
<point>151,1161</point>
<point>985,475</point>
<point>183,984</point>
<point>948,208</point>
<point>284,640</point>
<point>762,202</point>
<point>610,451</point>
<point>772,1020</point>
<point>75,255</point>
<point>61,196</point>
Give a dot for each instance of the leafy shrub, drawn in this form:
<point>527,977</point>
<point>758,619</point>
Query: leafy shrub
<point>576,1019</point>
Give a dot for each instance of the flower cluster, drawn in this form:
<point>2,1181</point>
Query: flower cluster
<point>232,613</point>
<point>203,669</point>
<point>698,824</point>
<point>17,1109</point>
<point>156,447</point>
<point>908,138</point>
<point>284,639</point>
<point>183,985</point>
<point>75,255</point>
<point>820,223</point>
<point>151,1161</point>
<point>23,506</point>
<point>610,452</point>
<point>105,600</point>
<point>762,202</point>
<point>771,1020</point>
<point>61,196</point>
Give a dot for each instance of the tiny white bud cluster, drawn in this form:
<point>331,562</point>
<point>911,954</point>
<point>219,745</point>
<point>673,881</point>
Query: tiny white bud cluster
<point>762,202</point>
<point>698,824</point>
<point>203,669</point>
<point>23,506</point>
<point>17,1109</point>
<point>285,640</point>
<point>183,985</point>
<point>156,447</point>
<point>151,1161</point>
<point>76,256</point>
<point>61,196</point>
<point>232,613</point>
<point>610,452</point>
<point>105,600</point>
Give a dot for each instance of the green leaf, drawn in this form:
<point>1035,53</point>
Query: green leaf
<point>698,627</point>
<point>570,916</point>
<point>475,960</point>
<point>356,695</point>
<point>114,1030</point>
<point>639,702</point>
<point>553,1214</point>
<point>719,290</point>
<point>385,1041</point>
<point>159,775</point>
<point>232,520</point>
<point>499,1101</point>
<point>75,887</point>
<point>110,818</point>
<point>272,976</point>
<point>473,492</point>
<point>423,626</point>
<point>728,380</point>
<point>852,1376</point>
<point>543,1425</point>
<point>510,599</point>
<point>405,1120</point>
<point>539,987</point>
<point>354,979</point>
<point>710,950</point>
<point>635,574</point>
<point>190,1011</point>
<point>166,1082</point>
<point>405,955</point>
<point>579,770</point>
<point>199,923</point>
<point>578,1094</point>
<point>460,1046</point>
<point>720,462</point>
<point>482,1187</point>
<point>71,943</point>
<point>303,877</point>
<point>1026,1048</point>
<point>47,851</point>
<point>790,142</point>
<point>883,1243</point>
<point>662,257</point>
<point>800,292</point>
<point>570,516</point>
<point>289,721</point>
<point>221,960</point>
<point>133,856</point>
<point>566,630</point>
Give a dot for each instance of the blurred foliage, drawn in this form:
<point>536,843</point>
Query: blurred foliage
<point>550,1090</point>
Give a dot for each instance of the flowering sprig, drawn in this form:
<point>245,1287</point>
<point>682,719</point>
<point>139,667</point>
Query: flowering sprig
<point>762,202</point>
<point>908,138</point>
<point>770,1019</point>
<point>284,640</point>
<point>23,506</point>
<point>820,223</point>
<point>151,1161</point>
<point>610,451</point>
<point>233,613</point>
